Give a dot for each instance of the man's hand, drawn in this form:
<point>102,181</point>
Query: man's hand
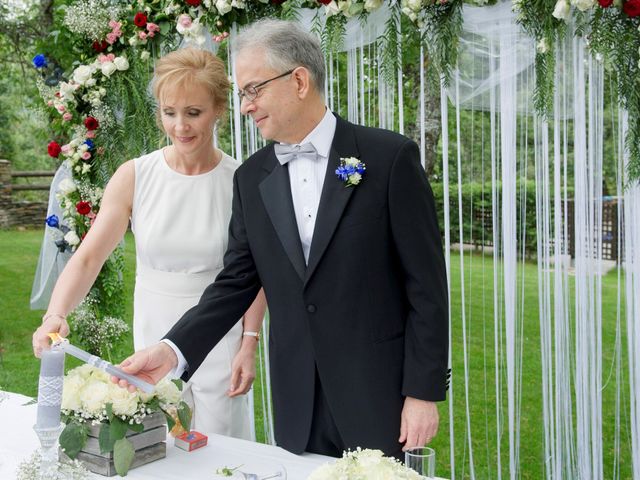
<point>41,340</point>
<point>418,423</point>
<point>151,365</point>
<point>243,368</point>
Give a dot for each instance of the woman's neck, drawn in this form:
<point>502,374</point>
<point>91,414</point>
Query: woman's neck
<point>196,163</point>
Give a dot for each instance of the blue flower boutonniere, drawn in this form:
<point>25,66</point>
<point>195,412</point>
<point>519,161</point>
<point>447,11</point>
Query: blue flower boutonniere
<point>351,171</point>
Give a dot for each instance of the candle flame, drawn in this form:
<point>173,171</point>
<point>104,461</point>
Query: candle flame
<point>55,337</point>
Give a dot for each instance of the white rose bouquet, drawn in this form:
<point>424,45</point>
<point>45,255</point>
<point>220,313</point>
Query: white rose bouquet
<point>364,465</point>
<point>90,398</point>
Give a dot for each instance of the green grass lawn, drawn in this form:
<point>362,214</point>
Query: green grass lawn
<point>19,369</point>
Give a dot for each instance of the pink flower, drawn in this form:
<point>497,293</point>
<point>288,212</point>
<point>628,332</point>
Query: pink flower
<point>91,134</point>
<point>112,37</point>
<point>50,103</point>
<point>65,148</point>
<point>115,25</point>
<point>152,27</point>
<point>86,156</point>
<point>184,20</point>
<point>106,58</point>
<point>142,35</point>
<point>67,116</point>
<point>61,108</point>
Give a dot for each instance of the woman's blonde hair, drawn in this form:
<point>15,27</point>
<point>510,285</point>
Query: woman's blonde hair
<point>182,68</point>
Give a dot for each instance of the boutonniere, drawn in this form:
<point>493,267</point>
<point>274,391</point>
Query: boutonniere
<point>350,171</point>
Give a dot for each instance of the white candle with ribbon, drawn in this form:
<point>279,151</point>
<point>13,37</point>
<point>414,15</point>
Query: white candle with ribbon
<point>50,388</point>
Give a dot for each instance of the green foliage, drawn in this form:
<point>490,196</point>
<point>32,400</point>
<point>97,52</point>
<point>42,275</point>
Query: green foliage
<point>73,438</point>
<point>184,415</point>
<point>123,453</point>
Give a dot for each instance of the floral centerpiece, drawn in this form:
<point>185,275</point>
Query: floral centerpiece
<point>90,398</point>
<point>364,465</point>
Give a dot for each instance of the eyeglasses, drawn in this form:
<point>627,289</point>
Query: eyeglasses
<point>252,91</point>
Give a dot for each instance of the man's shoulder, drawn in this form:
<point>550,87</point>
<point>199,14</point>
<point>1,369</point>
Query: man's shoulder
<point>255,161</point>
<point>373,138</point>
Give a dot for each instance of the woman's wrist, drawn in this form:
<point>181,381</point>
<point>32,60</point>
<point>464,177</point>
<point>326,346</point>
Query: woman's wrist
<point>49,315</point>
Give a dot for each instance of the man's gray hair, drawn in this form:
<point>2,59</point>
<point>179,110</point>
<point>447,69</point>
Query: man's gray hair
<point>286,46</point>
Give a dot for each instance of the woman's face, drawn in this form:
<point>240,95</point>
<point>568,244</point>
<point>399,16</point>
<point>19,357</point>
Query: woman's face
<point>188,116</point>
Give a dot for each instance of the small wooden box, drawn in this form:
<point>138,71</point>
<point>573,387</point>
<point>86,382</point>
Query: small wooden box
<point>190,441</point>
<point>149,445</point>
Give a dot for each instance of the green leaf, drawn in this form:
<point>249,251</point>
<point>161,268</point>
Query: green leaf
<point>170,421</point>
<point>73,438</point>
<point>184,414</point>
<point>136,427</point>
<point>178,383</point>
<point>105,440</point>
<point>123,454</point>
<point>118,428</point>
<point>109,409</point>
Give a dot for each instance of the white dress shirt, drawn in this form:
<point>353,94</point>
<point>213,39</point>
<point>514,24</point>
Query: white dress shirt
<point>306,176</point>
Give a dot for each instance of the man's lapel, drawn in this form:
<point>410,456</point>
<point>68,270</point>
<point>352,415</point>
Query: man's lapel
<point>335,195</point>
<point>276,195</point>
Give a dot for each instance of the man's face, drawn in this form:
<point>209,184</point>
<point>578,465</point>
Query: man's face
<point>275,109</point>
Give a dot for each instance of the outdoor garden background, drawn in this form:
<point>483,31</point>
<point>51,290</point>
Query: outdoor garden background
<point>515,343</point>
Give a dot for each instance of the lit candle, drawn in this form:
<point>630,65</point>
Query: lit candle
<point>50,388</point>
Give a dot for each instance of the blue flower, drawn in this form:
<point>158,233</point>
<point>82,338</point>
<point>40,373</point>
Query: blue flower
<point>39,61</point>
<point>53,221</point>
<point>350,171</point>
<point>89,143</point>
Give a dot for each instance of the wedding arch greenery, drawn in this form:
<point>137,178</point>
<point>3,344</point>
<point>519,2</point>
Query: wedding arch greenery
<point>97,61</point>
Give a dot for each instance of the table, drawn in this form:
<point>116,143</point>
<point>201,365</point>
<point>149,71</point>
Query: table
<point>19,441</point>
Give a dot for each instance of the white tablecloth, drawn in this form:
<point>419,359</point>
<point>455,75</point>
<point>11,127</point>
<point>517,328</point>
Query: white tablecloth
<point>18,441</point>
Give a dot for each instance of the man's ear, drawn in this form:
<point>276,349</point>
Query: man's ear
<point>302,77</point>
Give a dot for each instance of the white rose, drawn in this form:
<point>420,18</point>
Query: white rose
<point>133,41</point>
<point>223,6</point>
<point>94,395</point>
<point>414,5</point>
<point>71,392</point>
<point>583,5</point>
<point>91,82</point>
<point>167,391</point>
<point>83,371</point>
<point>371,5</point>
<point>121,63</point>
<point>67,90</point>
<point>122,401</point>
<point>331,9</point>
<point>562,10</point>
<point>72,238</point>
<point>107,68</point>
<point>82,74</point>
<point>66,186</point>
<point>238,4</point>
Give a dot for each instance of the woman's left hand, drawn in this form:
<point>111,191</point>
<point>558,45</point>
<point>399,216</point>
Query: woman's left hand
<point>243,368</point>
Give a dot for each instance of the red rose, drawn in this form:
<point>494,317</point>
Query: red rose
<point>324,2</point>
<point>91,123</point>
<point>54,149</point>
<point>100,46</point>
<point>631,8</point>
<point>83,208</point>
<point>193,3</point>
<point>140,20</point>
<point>605,3</point>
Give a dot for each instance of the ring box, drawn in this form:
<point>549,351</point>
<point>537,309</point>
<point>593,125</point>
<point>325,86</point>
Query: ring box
<point>191,441</point>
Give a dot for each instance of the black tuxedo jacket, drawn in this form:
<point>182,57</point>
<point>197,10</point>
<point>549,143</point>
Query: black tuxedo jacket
<point>369,311</point>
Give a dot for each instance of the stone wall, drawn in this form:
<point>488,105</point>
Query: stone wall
<point>17,213</point>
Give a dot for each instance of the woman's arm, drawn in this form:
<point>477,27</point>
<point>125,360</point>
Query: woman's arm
<point>84,266</point>
<point>243,369</point>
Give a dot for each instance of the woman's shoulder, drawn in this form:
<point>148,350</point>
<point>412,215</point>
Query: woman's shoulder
<point>228,162</point>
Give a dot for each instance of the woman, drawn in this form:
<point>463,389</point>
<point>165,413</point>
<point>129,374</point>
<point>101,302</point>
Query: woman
<point>179,201</point>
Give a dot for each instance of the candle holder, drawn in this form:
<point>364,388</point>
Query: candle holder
<point>48,448</point>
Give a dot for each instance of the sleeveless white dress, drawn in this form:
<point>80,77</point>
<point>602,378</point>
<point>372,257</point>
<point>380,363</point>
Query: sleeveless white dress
<point>180,223</point>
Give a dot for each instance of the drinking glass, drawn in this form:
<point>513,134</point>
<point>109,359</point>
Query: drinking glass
<point>422,460</point>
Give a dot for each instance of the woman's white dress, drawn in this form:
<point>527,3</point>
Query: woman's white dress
<point>180,223</point>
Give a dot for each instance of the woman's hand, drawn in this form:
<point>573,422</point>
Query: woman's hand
<point>243,367</point>
<point>54,323</point>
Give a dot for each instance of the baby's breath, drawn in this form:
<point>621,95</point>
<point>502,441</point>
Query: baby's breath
<point>90,18</point>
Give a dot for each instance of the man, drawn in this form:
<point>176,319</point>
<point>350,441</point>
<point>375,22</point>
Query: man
<point>354,274</point>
